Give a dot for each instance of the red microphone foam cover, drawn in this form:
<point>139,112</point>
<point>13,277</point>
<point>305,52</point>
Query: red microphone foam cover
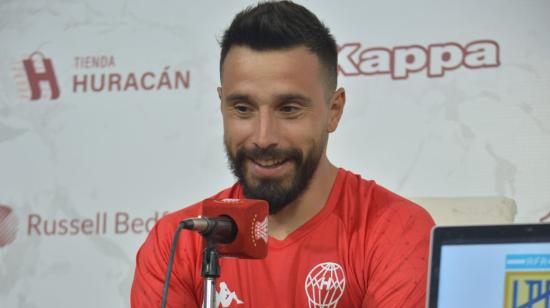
<point>251,218</point>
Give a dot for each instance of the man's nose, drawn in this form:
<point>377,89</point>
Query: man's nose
<point>266,132</point>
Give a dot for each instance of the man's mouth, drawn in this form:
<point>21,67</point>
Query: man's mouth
<point>268,163</point>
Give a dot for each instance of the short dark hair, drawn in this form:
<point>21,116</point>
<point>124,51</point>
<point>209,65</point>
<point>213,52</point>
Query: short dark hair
<point>282,25</point>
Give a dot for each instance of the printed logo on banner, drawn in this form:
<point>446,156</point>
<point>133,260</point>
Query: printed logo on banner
<point>101,223</point>
<point>35,78</point>
<point>401,62</point>
<point>527,281</point>
<point>8,225</point>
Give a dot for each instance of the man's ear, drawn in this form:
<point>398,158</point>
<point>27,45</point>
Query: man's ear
<point>336,109</point>
<point>219,89</point>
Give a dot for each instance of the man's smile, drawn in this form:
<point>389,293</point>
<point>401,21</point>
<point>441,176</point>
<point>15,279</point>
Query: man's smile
<point>269,167</point>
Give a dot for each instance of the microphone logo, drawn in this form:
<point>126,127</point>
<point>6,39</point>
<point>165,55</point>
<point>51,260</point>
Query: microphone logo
<point>250,218</point>
<point>260,230</point>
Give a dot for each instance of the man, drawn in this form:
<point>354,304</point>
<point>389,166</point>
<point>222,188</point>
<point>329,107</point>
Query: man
<point>336,240</point>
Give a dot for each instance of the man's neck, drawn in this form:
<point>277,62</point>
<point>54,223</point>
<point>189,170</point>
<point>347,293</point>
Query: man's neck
<point>311,202</point>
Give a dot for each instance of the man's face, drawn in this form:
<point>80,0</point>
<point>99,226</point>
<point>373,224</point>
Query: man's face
<point>276,120</point>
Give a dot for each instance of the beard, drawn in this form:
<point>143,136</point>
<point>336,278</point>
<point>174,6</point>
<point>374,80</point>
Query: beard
<point>278,192</point>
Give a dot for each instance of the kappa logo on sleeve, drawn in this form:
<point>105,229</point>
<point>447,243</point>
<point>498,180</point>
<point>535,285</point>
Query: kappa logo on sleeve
<point>325,285</point>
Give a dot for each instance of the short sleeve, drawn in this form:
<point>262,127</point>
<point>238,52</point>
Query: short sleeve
<point>151,264</point>
<point>398,267</point>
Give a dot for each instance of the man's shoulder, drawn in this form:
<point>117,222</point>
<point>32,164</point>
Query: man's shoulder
<point>375,201</point>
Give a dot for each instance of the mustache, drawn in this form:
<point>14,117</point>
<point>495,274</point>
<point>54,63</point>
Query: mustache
<point>269,153</point>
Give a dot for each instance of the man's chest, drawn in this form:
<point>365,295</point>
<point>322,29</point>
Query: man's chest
<point>319,272</point>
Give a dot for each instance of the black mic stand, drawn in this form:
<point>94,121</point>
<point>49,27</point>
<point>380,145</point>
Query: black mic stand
<point>210,271</point>
<point>219,230</point>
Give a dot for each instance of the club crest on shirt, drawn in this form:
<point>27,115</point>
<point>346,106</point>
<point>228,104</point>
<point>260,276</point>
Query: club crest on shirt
<point>325,284</point>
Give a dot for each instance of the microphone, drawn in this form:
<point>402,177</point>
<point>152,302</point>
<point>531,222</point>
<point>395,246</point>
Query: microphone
<point>221,229</point>
<point>238,226</point>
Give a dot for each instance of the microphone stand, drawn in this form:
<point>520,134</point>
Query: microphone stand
<point>210,271</point>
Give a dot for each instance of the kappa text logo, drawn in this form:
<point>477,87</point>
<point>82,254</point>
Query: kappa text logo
<point>402,61</point>
<point>8,226</point>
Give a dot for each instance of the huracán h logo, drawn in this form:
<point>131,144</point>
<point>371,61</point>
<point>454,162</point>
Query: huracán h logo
<point>41,78</point>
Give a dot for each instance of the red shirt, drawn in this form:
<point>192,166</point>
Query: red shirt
<point>367,247</point>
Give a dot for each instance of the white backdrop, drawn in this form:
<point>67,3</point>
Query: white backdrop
<point>84,175</point>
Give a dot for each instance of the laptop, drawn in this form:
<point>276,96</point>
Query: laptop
<point>490,266</point>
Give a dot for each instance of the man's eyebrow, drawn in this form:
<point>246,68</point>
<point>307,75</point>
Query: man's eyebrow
<point>280,99</point>
<point>238,98</point>
<point>293,97</point>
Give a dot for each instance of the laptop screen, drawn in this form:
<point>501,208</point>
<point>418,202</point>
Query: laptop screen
<point>490,266</point>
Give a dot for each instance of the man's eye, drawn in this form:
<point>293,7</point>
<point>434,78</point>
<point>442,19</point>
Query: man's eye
<point>289,109</point>
<point>242,108</point>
